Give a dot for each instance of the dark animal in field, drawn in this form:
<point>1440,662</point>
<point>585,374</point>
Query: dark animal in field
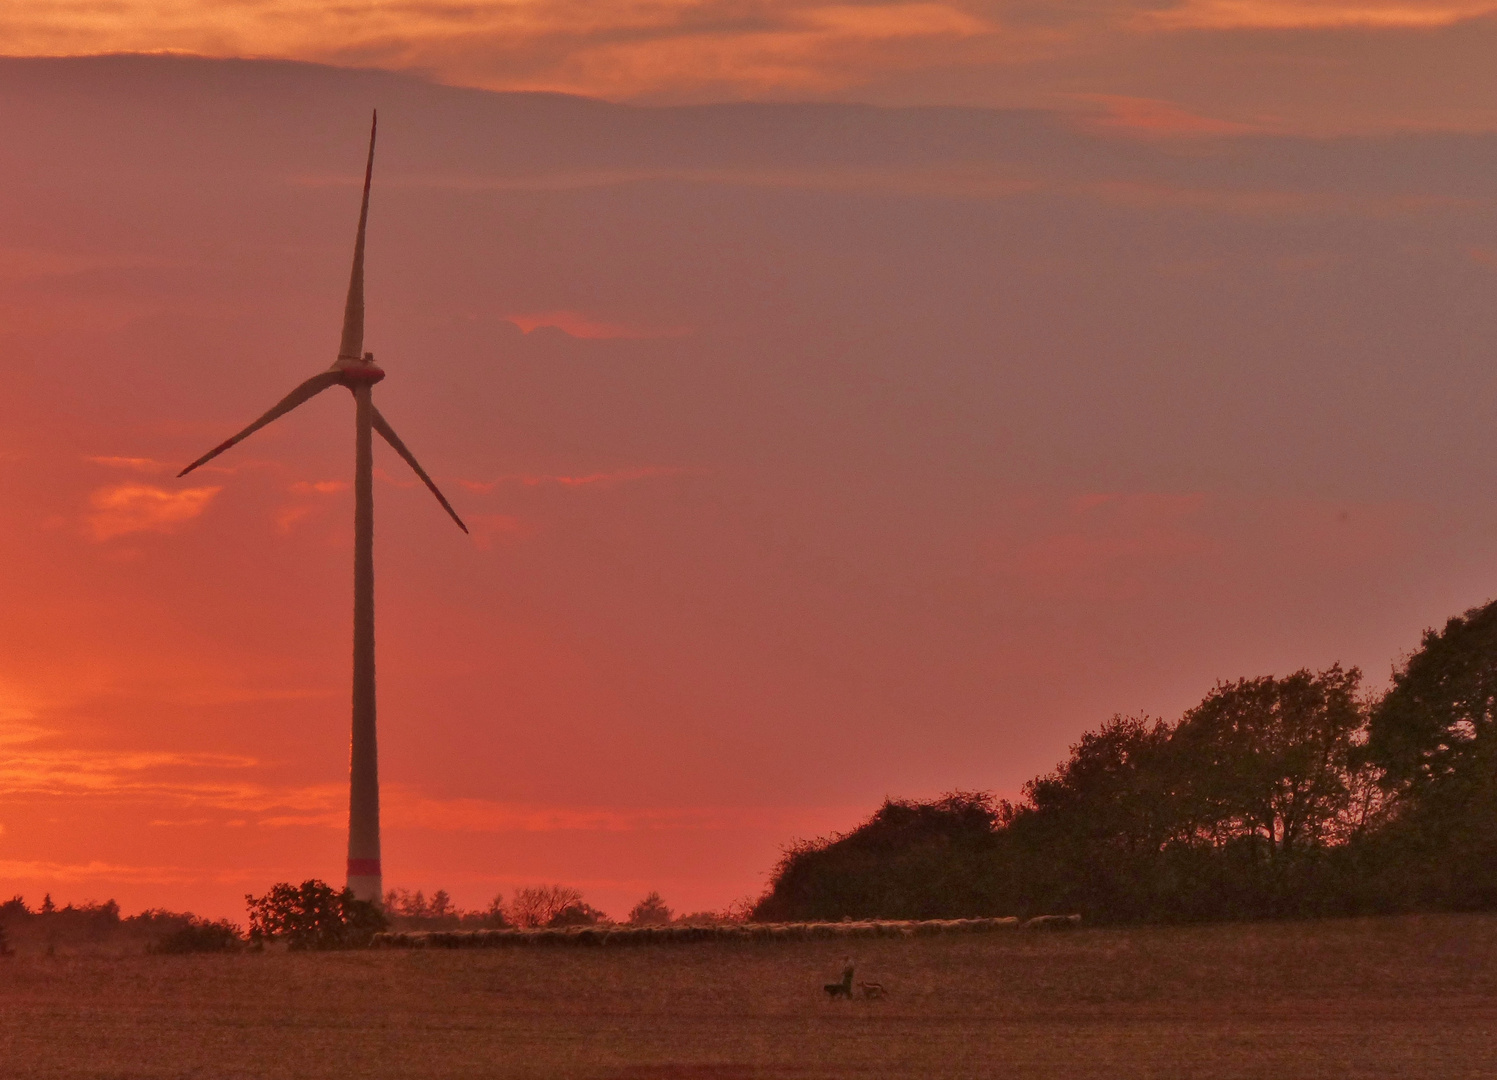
<point>843,988</point>
<point>871,991</point>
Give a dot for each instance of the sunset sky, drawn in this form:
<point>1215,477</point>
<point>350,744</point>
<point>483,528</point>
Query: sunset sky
<point>847,400</point>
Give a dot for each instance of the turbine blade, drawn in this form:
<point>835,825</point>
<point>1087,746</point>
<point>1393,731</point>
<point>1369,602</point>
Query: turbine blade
<point>352,345</point>
<point>382,426</point>
<point>309,389</point>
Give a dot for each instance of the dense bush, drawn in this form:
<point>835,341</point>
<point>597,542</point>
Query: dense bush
<point>910,860</point>
<point>200,936</point>
<point>579,914</point>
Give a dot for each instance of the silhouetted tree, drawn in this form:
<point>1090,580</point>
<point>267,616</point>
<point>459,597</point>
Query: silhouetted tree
<point>1092,835</point>
<point>538,905</point>
<point>651,911</point>
<point>1434,734</point>
<point>312,916</point>
<point>413,911</point>
<point>1273,796</point>
<point>1271,759</point>
<point>494,915</point>
<point>1435,727</point>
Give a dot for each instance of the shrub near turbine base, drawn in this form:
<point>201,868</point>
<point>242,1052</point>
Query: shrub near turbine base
<point>312,916</point>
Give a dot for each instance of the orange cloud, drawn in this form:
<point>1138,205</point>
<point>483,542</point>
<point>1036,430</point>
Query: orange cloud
<point>35,768</point>
<point>902,52</point>
<point>607,48</point>
<point>134,508</point>
<point>1316,14</point>
<point>36,870</point>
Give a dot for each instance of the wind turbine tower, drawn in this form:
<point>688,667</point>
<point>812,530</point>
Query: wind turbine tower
<point>355,369</point>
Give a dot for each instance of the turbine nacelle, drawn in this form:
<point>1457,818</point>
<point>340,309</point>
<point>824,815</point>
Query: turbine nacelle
<point>354,372</point>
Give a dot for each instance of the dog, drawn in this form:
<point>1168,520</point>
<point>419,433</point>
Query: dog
<point>843,988</point>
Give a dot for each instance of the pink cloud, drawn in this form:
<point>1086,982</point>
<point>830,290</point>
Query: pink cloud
<point>1103,544</point>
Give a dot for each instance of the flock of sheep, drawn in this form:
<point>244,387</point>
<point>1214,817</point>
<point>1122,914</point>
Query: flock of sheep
<point>652,935</point>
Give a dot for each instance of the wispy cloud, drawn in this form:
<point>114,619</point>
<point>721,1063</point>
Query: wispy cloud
<point>36,870</point>
<point>595,479</point>
<point>489,528</point>
<point>289,515</point>
<point>135,508</point>
<point>1152,117</point>
<point>184,787</point>
<point>130,464</point>
<point>1120,546</point>
<point>576,324</point>
<point>32,765</point>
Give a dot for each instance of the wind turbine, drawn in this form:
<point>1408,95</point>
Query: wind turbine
<point>356,370</point>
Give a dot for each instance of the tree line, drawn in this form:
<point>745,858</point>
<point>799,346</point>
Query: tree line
<point>1275,796</point>
<point>314,915</point>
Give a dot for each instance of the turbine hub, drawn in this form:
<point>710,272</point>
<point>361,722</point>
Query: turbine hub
<point>356,373</point>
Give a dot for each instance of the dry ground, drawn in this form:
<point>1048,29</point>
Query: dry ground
<point>1406,997</point>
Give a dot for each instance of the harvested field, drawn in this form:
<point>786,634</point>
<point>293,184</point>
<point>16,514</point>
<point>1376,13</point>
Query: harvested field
<point>1401,997</point>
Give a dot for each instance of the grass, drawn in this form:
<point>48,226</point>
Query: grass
<point>1399,997</point>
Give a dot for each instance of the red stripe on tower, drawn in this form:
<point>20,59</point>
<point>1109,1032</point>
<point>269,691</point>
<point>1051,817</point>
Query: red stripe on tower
<point>363,868</point>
